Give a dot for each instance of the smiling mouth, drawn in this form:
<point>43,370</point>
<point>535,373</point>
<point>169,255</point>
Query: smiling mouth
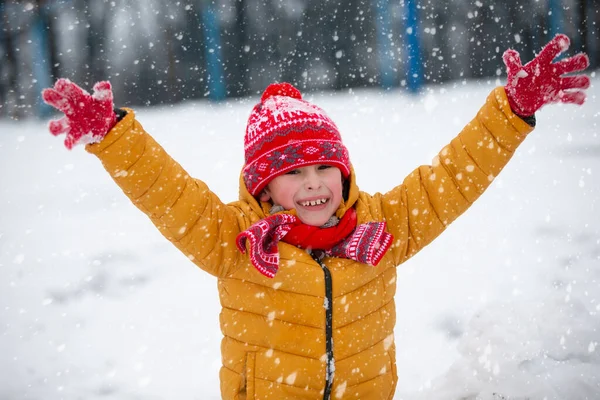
<point>311,203</point>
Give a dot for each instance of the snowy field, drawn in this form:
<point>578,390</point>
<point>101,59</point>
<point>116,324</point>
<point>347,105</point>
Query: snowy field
<point>505,305</point>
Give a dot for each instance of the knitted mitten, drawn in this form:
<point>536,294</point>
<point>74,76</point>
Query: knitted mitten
<point>541,82</point>
<point>88,118</point>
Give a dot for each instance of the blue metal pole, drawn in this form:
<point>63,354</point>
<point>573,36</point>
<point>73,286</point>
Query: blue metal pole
<point>555,17</point>
<point>41,66</point>
<point>415,68</point>
<point>384,43</point>
<point>212,38</point>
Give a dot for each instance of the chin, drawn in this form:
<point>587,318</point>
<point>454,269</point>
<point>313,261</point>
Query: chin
<point>314,221</point>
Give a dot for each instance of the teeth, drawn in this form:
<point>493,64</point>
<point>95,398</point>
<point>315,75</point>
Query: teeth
<point>314,202</point>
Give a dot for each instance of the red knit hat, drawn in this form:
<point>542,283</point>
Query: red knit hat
<point>285,132</point>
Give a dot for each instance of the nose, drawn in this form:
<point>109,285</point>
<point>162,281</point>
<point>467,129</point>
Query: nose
<point>312,181</point>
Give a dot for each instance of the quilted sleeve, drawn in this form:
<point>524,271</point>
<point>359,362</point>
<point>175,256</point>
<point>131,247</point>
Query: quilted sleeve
<point>433,196</point>
<point>184,209</point>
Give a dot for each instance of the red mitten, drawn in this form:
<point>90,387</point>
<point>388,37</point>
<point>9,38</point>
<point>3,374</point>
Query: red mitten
<point>541,82</point>
<point>88,118</point>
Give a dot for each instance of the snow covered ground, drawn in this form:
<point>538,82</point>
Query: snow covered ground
<point>95,304</point>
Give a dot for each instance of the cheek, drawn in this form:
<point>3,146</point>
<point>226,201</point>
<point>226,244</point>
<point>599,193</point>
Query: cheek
<point>336,187</point>
<point>287,195</point>
<point>284,195</point>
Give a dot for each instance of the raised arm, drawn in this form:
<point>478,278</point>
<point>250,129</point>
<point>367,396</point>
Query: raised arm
<point>433,196</point>
<point>184,210</point>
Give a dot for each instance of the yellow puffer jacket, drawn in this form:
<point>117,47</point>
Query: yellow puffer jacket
<point>275,330</point>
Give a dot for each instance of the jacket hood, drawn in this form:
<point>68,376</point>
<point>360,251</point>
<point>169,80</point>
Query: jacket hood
<point>262,209</point>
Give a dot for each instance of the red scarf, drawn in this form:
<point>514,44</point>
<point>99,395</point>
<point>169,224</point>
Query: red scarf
<point>365,243</point>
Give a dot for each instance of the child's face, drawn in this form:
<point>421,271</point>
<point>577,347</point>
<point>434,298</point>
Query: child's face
<point>314,191</point>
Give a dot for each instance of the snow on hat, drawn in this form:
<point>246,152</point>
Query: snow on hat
<point>285,132</point>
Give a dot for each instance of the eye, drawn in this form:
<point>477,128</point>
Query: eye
<point>292,172</point>
<point>322,167</point>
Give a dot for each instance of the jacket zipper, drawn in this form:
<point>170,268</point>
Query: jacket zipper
<point>318,255</point>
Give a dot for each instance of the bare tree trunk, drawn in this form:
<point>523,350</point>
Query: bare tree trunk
<point>240,56</point>
<point>95,15</point>
<point>9,82</point>
<point>583,30</point>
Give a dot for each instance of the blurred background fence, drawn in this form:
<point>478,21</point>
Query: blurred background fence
<point>157,52</point>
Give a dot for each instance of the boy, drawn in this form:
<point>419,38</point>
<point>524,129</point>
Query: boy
<point>305,261</point>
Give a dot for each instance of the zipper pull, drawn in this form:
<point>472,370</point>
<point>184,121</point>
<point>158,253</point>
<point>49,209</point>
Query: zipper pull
<point>317,255</point>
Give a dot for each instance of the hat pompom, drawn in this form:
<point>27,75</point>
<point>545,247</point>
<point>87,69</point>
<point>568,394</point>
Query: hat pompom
<point>281,89</point>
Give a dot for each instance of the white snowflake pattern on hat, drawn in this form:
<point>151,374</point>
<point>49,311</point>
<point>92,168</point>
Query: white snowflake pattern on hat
<point>281,107</point>
<point>255,127</point>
